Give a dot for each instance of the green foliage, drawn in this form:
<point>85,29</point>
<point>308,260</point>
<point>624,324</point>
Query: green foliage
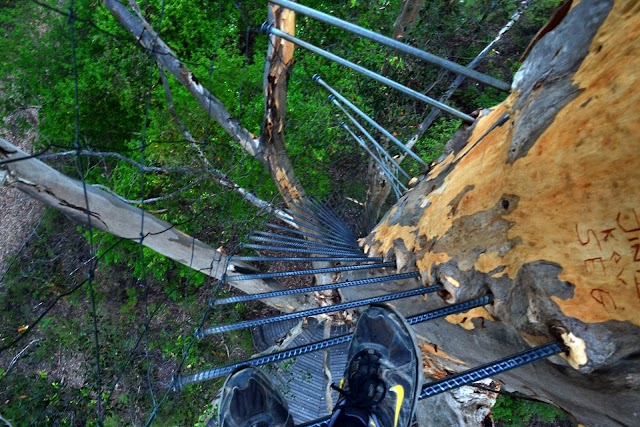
<point>41,401</point>
<point>210,412</point>
<point>431,146</point>
<point>514,412</point>
<point>55,381</point>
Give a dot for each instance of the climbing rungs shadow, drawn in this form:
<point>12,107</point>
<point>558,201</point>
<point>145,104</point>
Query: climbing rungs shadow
<point>308,272</point>
<point>354,253</point>
<point>263,236</point>
<point>310,235</point>
<point>274,294</point>
<point>316,311</point>
<point>179,381</point>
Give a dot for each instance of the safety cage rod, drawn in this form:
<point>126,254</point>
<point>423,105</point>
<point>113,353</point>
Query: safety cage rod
<point>394,44</point>
<point>380,151</point>
<point>393,180</point>
<point>336,97</point>
<point>324,215</point>
<point>306,234</point>
<point>270,29</point>
<point>317,228</point>
<point>316,78</point>
<point>307,244</point>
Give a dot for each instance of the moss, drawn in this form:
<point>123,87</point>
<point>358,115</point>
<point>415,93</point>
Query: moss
<point>511,411</point>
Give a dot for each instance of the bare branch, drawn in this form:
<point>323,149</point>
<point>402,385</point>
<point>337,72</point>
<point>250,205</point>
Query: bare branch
<point>215,174</point>
<point>4,420</point>
<point>149,39</point>
<point>219,176</point>
<point>17,356</point>
<point>153,199</point>
<point>181,127</point>
<point>103,211</point>
<point>139,166</point>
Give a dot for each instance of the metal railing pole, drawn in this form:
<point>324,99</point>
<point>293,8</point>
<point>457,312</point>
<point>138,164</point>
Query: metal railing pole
<point>295,239</point>
<point>368,119</point>
<point>334,99</point>
<point>277,274</point>
<point>179,380</point>
<point>321,217</point>
<point>304,244</point>
<point>303,259</point>
<point>302,251</point>
<point>326,212</point>
<point>377,157</point>
<point>313,226</point>
<point>201,333</point>
<point>310,235</point>
<point>375,76</point>
<point>491,369</point>
<point>392,178</point>
<point>330,286</point>
<point>394,44</point>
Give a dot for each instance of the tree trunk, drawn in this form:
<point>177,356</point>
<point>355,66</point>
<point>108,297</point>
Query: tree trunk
<point>269,148</point>
<point>407,17</point>
<point>543,212</point>
<point>276,78</point>
<point>108,213</point>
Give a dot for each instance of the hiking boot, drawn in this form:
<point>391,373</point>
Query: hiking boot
<point>250,400</point>
<point>383,377</point>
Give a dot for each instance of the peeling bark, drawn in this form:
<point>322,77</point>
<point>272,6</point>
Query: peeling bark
<point>108,213</point>
<point>276,78</point>
<point>541,210</point>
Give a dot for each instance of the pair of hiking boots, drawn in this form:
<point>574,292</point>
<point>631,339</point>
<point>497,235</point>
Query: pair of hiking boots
<point>380,387</point>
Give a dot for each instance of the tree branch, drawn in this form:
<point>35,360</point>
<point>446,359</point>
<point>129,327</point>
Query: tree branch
<point>102,154</point>
<point>275,83</point>
<point>215,174</point>
<point>147,37</point>
<point>4,420</point>
<point>20,353</point>
<point>219,176</point>
<point>108,213</point>
<point>152,199</point>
